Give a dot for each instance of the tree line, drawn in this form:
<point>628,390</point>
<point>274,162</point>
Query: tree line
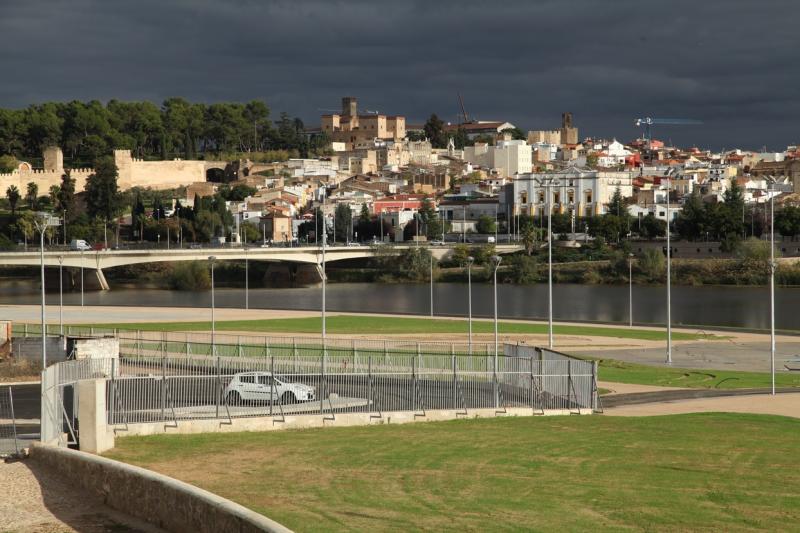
<point>177,128</point>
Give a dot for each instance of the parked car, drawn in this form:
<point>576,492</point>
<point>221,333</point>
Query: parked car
<point>79,245</point>
<point>262,386</point>
<point>437,243</point>
<point>356,244</point>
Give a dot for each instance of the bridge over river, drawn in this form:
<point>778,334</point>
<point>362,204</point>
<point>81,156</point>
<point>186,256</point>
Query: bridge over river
<point>98,260</point>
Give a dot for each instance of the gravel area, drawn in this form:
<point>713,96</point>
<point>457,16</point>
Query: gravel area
<point>35,501</point>
<point>786,404</point>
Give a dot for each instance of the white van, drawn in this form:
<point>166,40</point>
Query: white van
<point>79,245</point>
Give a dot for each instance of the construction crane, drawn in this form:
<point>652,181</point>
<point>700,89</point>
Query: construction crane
<point>649,122</point>
<point>463,110</point>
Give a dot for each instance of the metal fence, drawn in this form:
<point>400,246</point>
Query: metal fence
<point>9,441</point>
<point>168,389</point>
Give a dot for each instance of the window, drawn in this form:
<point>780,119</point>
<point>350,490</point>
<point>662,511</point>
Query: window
<point>571,197</point>
<point>541,197</point>
<point>523,197</point>
<point>588,196</point>
<point>265,380</point>
<point>247,379</point>
<point>557,198</point>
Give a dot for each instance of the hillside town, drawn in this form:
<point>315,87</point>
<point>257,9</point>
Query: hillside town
<point>388,180</point>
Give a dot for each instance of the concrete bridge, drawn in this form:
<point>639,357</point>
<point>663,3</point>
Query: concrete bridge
<point>96,261</point>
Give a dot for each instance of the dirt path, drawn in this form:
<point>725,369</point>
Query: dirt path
<point>34,501</point>
<point>781,404</point>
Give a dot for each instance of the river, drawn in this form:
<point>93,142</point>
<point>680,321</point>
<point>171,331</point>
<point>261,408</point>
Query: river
<point>746,307</point>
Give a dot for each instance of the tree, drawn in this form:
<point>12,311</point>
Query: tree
<point>653,227</point>
<point>692,223</point>
<point>486,224</point>
<point>591,160</point>
<point>343,217</point>
<point>523,269</point>
<point>434,131</point>
<point>66,194</point>
<point>32,195</point>
<point>787,221</point>
<point>8,163</point>
<point>54,191</point>
<point>102,193</point>
<point>12,194</point>
<point>652,263</point>
<point>516,133</point>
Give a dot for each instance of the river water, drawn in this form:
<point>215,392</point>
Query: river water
<point>746,307</point>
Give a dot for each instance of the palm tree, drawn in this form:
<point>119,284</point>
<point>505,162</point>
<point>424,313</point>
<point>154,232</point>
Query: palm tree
<point>55,192</point>
<point>12,193</point>
<point>32,195</point>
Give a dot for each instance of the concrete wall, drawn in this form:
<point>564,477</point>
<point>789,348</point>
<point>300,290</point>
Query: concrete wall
<point>160,500</point>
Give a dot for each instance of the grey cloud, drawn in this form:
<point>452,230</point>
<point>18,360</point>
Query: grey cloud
<point>728,63</point>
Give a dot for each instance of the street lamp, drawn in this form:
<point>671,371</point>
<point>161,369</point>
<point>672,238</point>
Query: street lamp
<point>212,259</point>
<point>548,185</point>
<point>470,260</point>
<point>81,278</point>
<point>496,261</point>
<point>630,290</point>
<point>60,295</point>
<point>324,274</point>
<point>772,268</point>
<point>669,286</point>
<point>42,222</point>
<point>431,282</point>
<point>246,280</point>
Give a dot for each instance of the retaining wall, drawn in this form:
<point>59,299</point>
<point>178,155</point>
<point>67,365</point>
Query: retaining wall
<point>160,500</point>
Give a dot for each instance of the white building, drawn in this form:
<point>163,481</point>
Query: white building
<point>580,190</point>
<point>508,157</point>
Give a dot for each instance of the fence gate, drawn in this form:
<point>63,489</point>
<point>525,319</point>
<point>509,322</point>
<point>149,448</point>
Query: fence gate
<point>59,407</point>
<point>9,442</point>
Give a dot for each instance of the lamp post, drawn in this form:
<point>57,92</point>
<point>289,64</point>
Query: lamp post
<point>470,260</point>
<point>324,274</point>
<point>630,290</point>
<point>669,286</point>
<point>60,295</point>
<point>431,283</point>
<point>246,281</point>
<point>549,184</point>
<point>212,259</point>
<point>43,222</point>
<point>81,278</point>
<point>772,267</point>
<point>496,260</point>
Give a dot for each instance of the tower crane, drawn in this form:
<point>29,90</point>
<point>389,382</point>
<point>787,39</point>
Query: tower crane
<point>649,122</point>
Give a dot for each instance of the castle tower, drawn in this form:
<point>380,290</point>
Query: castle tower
<point>569,133</point>
<point>54,160</point>
<point>349,106</point>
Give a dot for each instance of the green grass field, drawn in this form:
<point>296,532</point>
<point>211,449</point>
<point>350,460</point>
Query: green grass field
<point>623,372</point>
<point>709,472</point>
<point>378,325</point>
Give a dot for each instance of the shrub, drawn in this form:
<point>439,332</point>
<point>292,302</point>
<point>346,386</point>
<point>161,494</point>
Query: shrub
<point>190,276</point>
<point>652,263</point>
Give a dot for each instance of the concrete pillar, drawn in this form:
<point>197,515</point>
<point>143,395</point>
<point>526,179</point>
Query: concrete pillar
<point>95,436</point>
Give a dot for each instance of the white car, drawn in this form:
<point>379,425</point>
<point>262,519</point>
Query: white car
<point>437,243</point>
<point>262,386</point>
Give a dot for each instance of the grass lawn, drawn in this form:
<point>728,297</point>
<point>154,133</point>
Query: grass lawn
<point>623,372</point>
<point>351,324</point>
<point>712,472</point>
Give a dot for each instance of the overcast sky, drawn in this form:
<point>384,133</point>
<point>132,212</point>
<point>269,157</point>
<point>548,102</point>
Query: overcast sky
<point>729,63</point>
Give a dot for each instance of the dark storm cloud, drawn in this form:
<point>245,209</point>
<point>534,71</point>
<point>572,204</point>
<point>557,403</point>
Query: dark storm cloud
<point>731,63</point>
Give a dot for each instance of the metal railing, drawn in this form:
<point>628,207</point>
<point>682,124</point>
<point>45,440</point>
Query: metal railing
<point>145,388</point>
<point>9,441</point>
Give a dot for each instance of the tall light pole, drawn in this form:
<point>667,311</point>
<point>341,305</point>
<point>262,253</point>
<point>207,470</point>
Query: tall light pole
<point>324,273</point>
<point>548,187</point>
<point>212,259</point>
<point>772,268</point>
<point>246,281</point>
<point>81,278</point>
<point>470,260</point>
<point>630,290</point>
<point>60,295</point>
<point>496,260</point>
<point>669,286</point>
<point>42,223</point>
<point>431,283</point>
